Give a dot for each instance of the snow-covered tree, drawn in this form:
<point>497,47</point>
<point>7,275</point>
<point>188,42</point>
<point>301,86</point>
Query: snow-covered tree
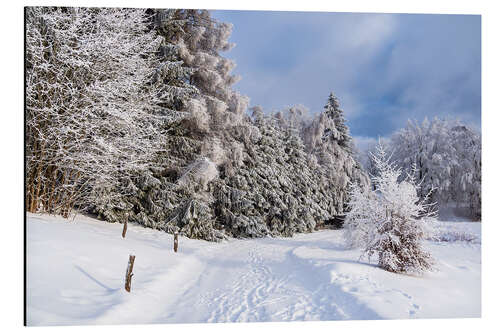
<point>366,159</point>
<point>158,134</point>
<point>340,132</point>
<point>277,190</point>
<point>448,156</point>
<point>205,143</point>
<point>391,221</point>
<point>466,177</point>
<point>198,40</point>
<point>93,113</point>
<point>328,142</point>
<point>174,74</point>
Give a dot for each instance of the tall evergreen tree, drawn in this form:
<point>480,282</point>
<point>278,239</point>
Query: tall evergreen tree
<point>341,132</point>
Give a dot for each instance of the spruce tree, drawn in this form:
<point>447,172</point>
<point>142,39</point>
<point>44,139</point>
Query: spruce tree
<point>341,132</point>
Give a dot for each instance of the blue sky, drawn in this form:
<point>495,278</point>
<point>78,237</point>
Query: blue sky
<point>384,68</point>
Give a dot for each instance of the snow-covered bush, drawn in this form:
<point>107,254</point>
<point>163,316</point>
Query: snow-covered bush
<point>391,221</point>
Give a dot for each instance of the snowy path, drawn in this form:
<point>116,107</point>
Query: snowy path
<point>75,276</point>
<point>270,282</point>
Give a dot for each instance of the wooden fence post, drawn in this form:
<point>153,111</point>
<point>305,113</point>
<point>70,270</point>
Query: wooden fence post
<point>176,241</point>
<point>128,275</point>
<point>124,232</point>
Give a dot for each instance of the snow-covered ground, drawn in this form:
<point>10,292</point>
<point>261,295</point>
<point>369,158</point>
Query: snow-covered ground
<point>76,269</point>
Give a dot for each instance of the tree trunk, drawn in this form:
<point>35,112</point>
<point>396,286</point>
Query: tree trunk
<point>50,202</point>
<point>34,206</point>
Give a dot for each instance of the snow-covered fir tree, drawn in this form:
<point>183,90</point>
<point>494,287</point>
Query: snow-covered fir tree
<point>277,190</point>
<point>332,147</point>
<point>390,222</point>
<point>340,132</point>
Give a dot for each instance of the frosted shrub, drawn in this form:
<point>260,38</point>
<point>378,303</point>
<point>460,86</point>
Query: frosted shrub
<point>391,221</point>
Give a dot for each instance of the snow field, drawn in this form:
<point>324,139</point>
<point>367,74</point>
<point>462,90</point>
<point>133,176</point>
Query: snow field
<point>76,270</point>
